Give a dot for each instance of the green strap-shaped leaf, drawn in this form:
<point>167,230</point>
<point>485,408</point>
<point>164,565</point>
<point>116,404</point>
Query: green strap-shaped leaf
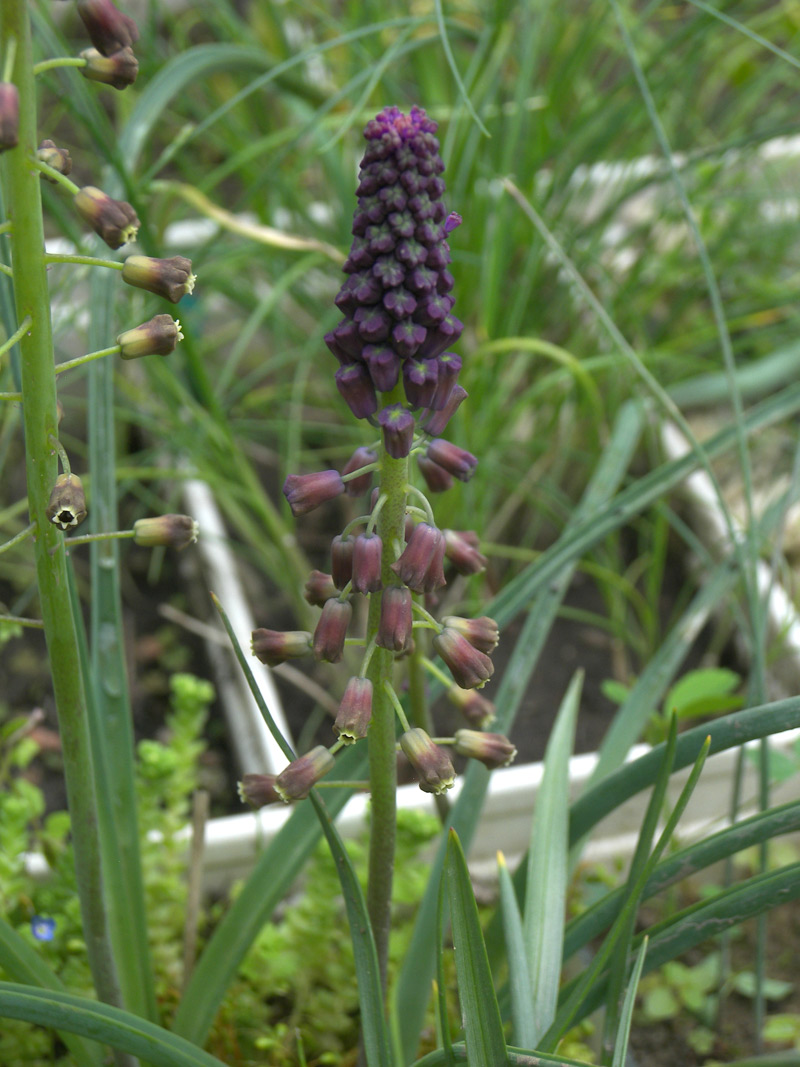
<point>480,1014</point>
<point>519,977</point>
<point>101,1022</point>
<point>626,1015</point>
<point>545,901</point>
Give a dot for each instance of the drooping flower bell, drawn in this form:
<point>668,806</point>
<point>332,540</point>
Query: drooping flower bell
<point>395,300</point>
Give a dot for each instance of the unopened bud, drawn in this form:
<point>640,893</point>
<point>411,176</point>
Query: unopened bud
<point>109,30</point>
<point>493,750</point>
<point>258,790</point>
<point>298,779</point>
<point>157,337</point>
<point>470,667</point>
<point>173,531</point>
<point>57,158</point>
<point>171,278</point>
<point>461,549</point>
<point>119,69</point>
<point>482,633</point>
<point>432,764</point>
<point>276,646</point>
<point>304,492</point>
<point>355,711</point>
<point>9,116</point>
<point>67,504</point>
<point>331,631</point>
<point>476,709</point>
<point>319,588</point>
<point>113,220</point>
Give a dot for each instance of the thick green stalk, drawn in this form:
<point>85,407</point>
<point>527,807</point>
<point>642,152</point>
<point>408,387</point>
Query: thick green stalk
<point>40,421</point>
<point>382,734</point>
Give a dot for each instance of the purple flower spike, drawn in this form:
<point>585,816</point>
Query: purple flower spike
<point>384,366</point>
<point>367,552</point>
<point>420,565</point>
<point>470,667</point>
<point>331,630</point>
<point>362,457</point>
<point>305,492</point>
<point>395,626</point>
<point>460,463</point>
<point>436,478</point>
<point>437,422</point>
<point>420,379</point>
<point>358,392</point>
<point>398,430</point>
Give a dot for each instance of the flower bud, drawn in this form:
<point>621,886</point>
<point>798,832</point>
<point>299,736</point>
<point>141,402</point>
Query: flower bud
<point>493,750</point>
<point>432,764</point>
<point>331,631</point>
<point>118,69</point>
<point>362,457</point>
<point>476,709</point>
<point>109,30</point>
<point>67,504</point>
<point>367,551</point>
<point>461,548</point>
<point>297,780</point>
<point>358,392</point>
<point>420,565</point>
<point>319,588</point>
<point>457,461</point>
<point>173,531</point>
<point>9,116</point>
<point>57,158</point>
<point>113,220</point>
<point>355,711</point>
<point>157,337</point>
<point>171,278</point>
<point>420,378</point>
<point>276,646</point>
<point>470,667</point>
<point>436,422</point>
<point>258,790</point>
<point>398,430</point>
<point>396,618</point>
<point>341,560</point>
<point>305,492</point>
<point>436,478</point>
<point>482,633</point>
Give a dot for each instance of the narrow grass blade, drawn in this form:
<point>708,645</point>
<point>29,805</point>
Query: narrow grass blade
<point>23,963</point>
<point>519,978</point>
<point>729,731</point>
<point>683,864</point>
<point>619,961</point>
<point>120,1029</point>
<point>442,1018</point>
<point>626,1015</point>
<point>515,1057</point>
<point>546,897</point>
<point>483,1027</point>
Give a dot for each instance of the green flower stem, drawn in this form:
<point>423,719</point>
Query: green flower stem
<point>426,504</point>
<point>398,707</point>
<point>56,176</point>
<point>34,624</point>
<point>10,396</point>
<point>89,261</point>
<point>19,537</point>
<point>436,672</point>
<point>382,732</point>
<point>84,539</point>
<point>344,783</point>
<point>41,421</point>
<point>5,227</point>
<point>71,363</point>
<point>20,332</point>
<point>4,269</point>
<point>59,61</point>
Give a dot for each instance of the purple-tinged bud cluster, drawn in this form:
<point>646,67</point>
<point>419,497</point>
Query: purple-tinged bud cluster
<point>398,323</point>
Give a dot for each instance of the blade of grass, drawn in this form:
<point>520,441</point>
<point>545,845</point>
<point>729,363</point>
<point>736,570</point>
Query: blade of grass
<point>481,1017</point>
<point>626,1015</point>
<point>546,898</point>
<point>120,1029</point>
<point>519,978</point>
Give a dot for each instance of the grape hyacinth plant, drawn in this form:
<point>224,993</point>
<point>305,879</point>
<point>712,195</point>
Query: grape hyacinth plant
<point>397,372</point>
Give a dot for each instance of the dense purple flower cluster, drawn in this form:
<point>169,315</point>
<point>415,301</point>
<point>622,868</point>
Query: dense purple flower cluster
<point>398,323</point>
